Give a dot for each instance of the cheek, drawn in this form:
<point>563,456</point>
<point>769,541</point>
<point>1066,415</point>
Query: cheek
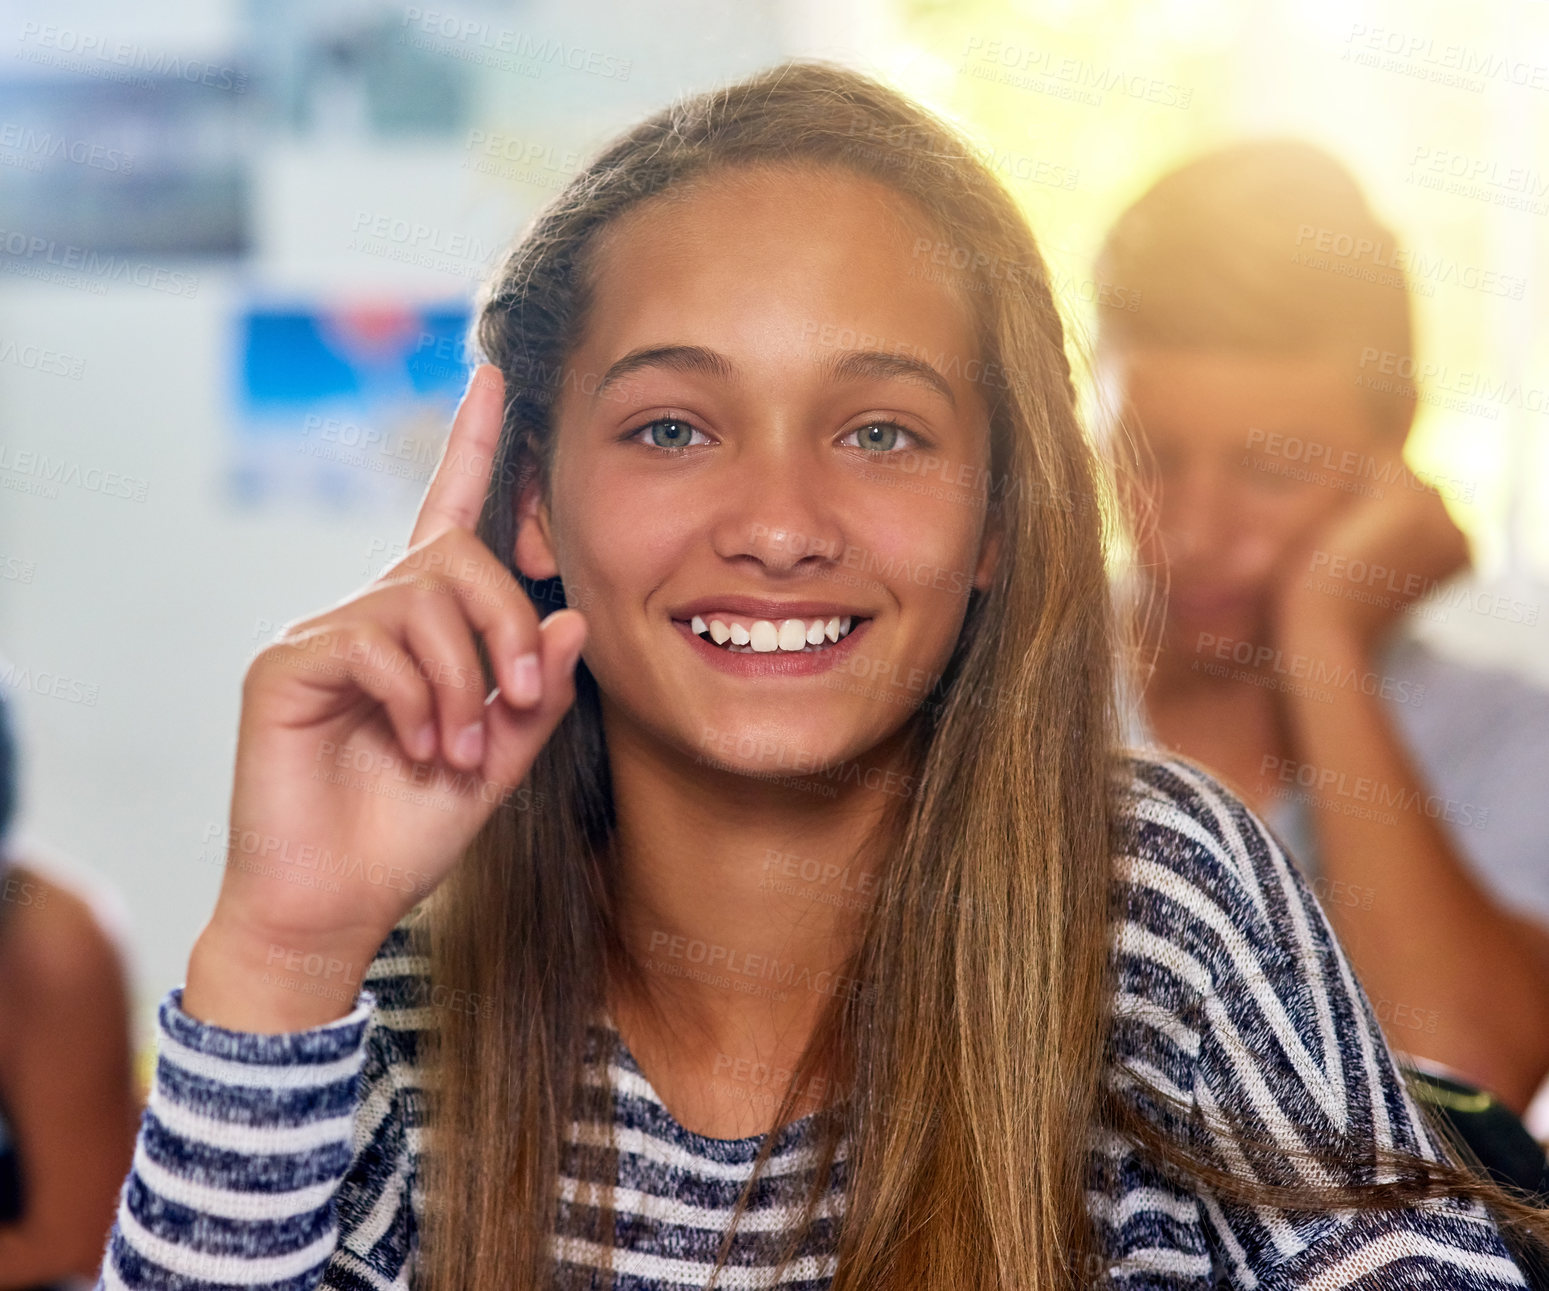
<point>926,551</point>
<point>1297,517</point>
<point>613,538</point>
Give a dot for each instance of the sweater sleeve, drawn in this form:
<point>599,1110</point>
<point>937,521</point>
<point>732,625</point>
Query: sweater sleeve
<point>1291,1054</point>
<point>243,1147</point>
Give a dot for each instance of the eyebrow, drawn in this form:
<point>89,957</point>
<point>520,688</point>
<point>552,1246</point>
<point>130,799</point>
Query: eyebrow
<point>880,364</point>
<point>675,358</point>
<point>852,365</point>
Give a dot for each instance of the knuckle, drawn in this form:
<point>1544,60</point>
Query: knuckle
<point>290,630</point>
<point>403,690</point>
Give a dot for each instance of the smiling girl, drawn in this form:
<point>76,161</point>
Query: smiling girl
<point>789,915</point>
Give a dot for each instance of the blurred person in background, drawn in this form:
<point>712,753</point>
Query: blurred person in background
<point>1281,544</point>
<point>69,1108</point>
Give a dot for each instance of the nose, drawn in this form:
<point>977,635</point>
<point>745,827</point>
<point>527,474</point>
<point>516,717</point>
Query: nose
<point>778,507</point>
<point>1196,516</point>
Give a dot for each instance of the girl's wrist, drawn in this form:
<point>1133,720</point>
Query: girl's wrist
<point>260,983</point>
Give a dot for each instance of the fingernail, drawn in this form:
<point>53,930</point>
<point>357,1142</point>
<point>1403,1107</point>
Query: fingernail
<point>470,743</point>
<point>526,680</point>
<point>424,741</point>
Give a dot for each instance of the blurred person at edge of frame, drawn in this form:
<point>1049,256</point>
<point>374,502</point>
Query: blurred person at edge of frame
<point>68,1102</point>
<point>1283,549</point>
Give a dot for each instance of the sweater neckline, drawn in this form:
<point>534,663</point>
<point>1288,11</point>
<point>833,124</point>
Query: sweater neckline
<point>739,1149</point>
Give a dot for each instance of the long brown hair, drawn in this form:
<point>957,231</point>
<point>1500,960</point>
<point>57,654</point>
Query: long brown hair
<point>974,1058</point>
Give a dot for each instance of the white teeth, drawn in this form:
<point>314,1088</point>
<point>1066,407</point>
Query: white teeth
<point>766,636</point>
<point>793,634</point>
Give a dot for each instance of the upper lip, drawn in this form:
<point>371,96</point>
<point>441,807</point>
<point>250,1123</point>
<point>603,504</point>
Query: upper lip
<point>760,608</point>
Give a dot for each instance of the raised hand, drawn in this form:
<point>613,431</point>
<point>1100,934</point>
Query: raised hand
<point>1370,560</point>
<point>369,755</point>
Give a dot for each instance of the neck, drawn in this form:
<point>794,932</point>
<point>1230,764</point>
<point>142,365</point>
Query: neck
<point>741,899</point>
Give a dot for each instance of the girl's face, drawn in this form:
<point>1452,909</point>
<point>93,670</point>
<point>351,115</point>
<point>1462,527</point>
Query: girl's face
<point>770,424</point>
<point>1248,457</point>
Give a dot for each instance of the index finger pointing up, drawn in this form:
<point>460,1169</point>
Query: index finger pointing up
<point>456,493</point>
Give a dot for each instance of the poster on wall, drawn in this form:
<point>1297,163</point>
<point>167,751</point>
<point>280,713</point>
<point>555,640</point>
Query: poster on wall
<point>344,406</point>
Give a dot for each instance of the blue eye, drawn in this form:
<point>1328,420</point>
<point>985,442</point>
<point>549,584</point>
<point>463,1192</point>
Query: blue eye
<point>879,436</point>
<point>669,433</point>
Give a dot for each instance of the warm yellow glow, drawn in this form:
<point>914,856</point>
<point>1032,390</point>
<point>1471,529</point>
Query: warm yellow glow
<point>1441,110</point>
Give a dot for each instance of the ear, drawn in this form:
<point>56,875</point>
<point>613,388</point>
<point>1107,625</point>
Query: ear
<point>534,550</point>
<point>989,553</point>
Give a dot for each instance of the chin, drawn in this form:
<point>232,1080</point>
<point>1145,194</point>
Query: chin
<point>755,741</point>
<point>1186,631</point>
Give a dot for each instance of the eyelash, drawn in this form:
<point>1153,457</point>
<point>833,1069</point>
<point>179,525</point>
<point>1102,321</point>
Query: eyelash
<point>644,426</point>
<point>915,439</point>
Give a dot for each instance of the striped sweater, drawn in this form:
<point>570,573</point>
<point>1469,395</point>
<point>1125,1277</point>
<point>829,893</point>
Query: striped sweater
<point>290,1161</point>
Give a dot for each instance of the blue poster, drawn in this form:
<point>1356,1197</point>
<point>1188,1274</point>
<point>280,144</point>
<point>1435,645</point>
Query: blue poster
<point>346,406</point>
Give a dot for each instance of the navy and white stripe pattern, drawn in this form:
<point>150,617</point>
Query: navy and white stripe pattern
<point>290,1162</point>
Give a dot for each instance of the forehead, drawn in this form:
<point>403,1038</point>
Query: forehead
<point>1195,391</point>
<point>761,257</point>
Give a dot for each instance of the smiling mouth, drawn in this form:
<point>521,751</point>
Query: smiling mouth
<point>740,634</point>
